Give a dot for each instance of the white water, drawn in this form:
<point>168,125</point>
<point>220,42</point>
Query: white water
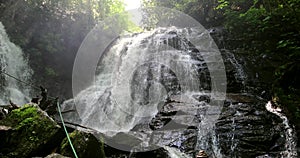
<point>240,75</point>
<point>106,108</point>
<point>206,134</point>
<point>233,143</point>
<point>12,62</point>
<point>175,153</point>
<point>290,134</point>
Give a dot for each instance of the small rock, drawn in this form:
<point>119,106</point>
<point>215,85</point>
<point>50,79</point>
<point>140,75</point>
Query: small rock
<point>55,155</point>
<point>202,154</point>
<point>5,128</point>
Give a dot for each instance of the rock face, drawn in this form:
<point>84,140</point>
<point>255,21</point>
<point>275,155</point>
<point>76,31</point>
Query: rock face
<point>176,125</point>
<point>29,132</point>
<point>246,129</point>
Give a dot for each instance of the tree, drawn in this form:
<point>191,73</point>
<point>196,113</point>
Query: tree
<point>201,10</point>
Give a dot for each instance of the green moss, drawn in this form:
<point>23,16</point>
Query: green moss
<point>28,117</point>
<point>31,130</point>
<point>18,115</point>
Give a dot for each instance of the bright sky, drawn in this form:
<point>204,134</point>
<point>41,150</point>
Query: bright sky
<point>132,4</point>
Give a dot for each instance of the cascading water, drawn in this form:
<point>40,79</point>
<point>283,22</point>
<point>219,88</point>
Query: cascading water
<point>234,67</point>
<point>174,153</point>
<point>240,74</point>
<point>104,113</point>
<point>13,63</point>
<point>135,77</point>
<point>136,85</point>
<point>290,140</point>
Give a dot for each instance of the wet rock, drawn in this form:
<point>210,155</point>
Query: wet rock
<point>247,129</point>
<point>241,98</point>
<point>112,152</point>
<point>124,141</point>
<point>171,109</point>
<point>175,126</point>
<point>158,153</point>
<point>158,122</point>
<point>131,145</point>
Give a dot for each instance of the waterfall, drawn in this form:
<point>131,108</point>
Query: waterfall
<point>99,108</point>
<point>143,79</point>
<point>236,69</point>
<point>290,134</point>
<point>14,63</point>
<point>240,74</point>
<point>138,74</point>
<point>207,139</point>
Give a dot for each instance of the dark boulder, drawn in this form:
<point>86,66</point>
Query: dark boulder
<point>85,145</point>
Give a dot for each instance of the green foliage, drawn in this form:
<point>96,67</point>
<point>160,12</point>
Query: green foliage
<point>202,11</point>
<point>222,4</point>
<point>265,26</point>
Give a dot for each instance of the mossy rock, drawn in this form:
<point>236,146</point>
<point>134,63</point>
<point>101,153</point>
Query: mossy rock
<point>85,144</point>
<point>32,133</point>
